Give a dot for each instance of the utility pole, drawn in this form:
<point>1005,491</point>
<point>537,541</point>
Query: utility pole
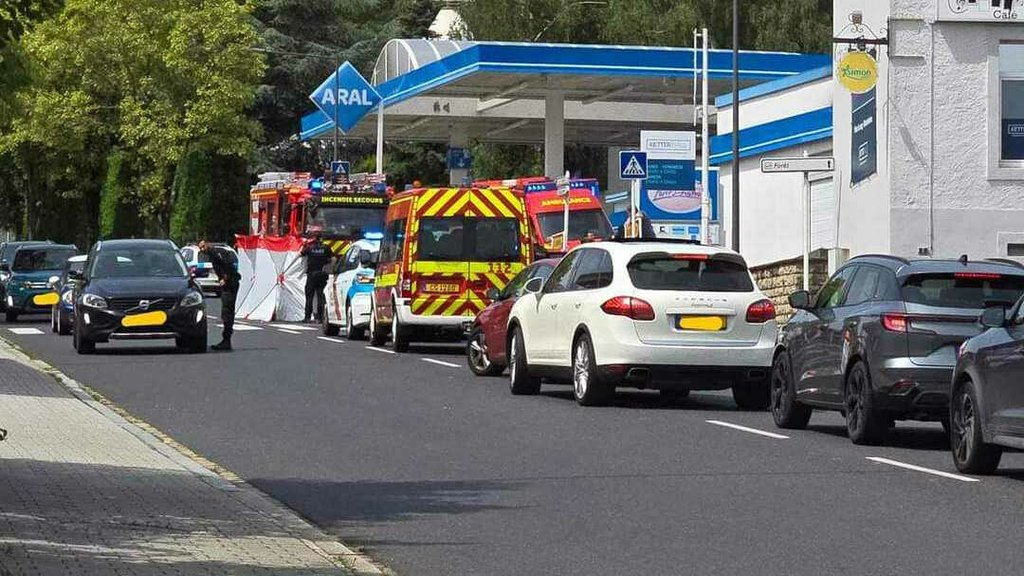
<point>736,125</point>
<point>335,158</point>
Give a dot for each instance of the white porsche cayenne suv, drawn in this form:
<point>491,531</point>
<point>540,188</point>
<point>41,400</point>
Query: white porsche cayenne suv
<point>667,315</point>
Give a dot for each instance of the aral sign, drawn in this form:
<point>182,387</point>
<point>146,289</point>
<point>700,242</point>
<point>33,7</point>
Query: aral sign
<point>858,72</point>
<point>345,97</point>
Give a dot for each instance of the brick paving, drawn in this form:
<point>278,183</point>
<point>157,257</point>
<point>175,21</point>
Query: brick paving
<point>82,491</point>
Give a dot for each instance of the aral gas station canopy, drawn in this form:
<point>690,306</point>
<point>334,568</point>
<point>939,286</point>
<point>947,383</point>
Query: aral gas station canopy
<point>456,92</point>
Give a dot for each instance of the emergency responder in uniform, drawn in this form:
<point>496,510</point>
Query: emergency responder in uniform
<point>225,265</point>
<point>317,257</point>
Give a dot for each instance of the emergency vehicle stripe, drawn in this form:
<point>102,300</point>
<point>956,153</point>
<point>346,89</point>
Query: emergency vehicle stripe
<point>441,202</point>
<point>427,198</point>
<point>481,205</point>
<point>499,204</point>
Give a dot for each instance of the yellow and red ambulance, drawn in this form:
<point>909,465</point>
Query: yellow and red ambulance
<point>446,253</point>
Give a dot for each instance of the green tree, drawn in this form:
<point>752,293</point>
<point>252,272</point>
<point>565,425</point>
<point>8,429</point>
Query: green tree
<point>18,16</point>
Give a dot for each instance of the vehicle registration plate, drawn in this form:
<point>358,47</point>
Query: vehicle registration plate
<point>702,323</point>
<point>48,299</point>
<point>158,318</point>
<point>441,287</point>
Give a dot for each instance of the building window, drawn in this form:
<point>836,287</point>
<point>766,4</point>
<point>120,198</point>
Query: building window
<point>1011,94</point>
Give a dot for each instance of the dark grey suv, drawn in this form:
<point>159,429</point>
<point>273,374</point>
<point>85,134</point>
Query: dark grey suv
<point>880,340</point>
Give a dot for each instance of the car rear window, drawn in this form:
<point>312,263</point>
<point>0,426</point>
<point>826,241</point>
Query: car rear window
<point>697,273</point>
<point>459,239</point>
<point>38,259</point>
<point>963,289</point>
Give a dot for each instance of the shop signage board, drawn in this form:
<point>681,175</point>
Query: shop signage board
<point>670,192</point>
<point>864,140</point>
<point>857,72</point>
<point>1008,11</point>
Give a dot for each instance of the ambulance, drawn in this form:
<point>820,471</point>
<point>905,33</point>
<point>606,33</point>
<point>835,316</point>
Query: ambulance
<point>546,211</point>
<point>445,255</point>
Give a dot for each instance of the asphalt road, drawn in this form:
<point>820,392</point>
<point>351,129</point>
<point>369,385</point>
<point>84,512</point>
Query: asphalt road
<point>435,471</point>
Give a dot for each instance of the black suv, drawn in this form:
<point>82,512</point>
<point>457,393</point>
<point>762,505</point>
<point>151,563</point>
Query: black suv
<point>880,340</point>
<point>138,290</point>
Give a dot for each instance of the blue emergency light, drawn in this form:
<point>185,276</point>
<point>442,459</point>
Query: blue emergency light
<point>316,185</point>
<point>373,236</point>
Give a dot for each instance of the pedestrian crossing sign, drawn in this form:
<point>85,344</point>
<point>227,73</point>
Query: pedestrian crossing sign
<point>632,165</point>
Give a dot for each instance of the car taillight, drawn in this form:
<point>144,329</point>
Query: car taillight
<point>896,322</point>
<point>977,276</point>
<point>761,311</point>
<point>698,257</point>
<point>632,308</point>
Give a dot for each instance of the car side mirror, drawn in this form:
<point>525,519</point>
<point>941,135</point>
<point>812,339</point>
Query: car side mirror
<point>53,281</point>
<point>993,317</point>
<point>533,286</point>
<point>800,300</point>
<point>493,295</point>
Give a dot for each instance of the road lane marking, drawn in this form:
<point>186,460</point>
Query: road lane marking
<point>899,464</point>
<point>242,327</point>
<point>441,363</point>
<point>327,339</point>
<point>292,327</point>
<point>384,350</point>
<point>25,331</point>
<point>292,332</point>
<point>745,429</point>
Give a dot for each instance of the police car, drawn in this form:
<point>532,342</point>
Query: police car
<point>350,287</point>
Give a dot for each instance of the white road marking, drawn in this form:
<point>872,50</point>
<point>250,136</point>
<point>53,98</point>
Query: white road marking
<point>242,327</point>
<point>293,326</point>
<point>441,362</point>
<point>898,464</point>
<point>745,429</point>
<point>25,331</point>
<point>335,340</point>
<point>384,350</point>
<point>292,332</point>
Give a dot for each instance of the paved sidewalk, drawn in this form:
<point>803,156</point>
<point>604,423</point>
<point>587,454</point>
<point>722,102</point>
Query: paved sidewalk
<point>83,491</point>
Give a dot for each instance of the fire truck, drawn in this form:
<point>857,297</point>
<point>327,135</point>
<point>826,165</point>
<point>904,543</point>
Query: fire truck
<point>296,204</point>
<point>546,211</point>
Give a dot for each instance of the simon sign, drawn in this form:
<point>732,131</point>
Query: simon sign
<point>858,72</point>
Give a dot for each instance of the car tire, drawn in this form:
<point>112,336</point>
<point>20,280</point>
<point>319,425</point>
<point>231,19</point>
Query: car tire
<point>752,396</point>
<point>865,424</point>
<point>399,333</point>
<point>351,330</point>
<point>63,328</point>
<point>326,326</point>
<point>476,356</point>
<point>82,344</point>
<point>520,382</point>
<point>971,454</point>
<point>376,332</point>
<point>198,345</point>
<point>11,316</point>
<point>786,411</point>
<point>53,319</point>
<point>588,388</point>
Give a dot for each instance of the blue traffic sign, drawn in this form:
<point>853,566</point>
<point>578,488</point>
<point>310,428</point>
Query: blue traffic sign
<point>345,96</point>
<point>632,165</point>
<point>459,159</point>
<point>340,168</point>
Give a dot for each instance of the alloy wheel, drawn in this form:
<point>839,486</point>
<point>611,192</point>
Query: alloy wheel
<point>855,401</point>
<point>963,427</point>
<point>513,357</point>
<point>780,386</point>
<point>477,353</point>
<point>581,369</point>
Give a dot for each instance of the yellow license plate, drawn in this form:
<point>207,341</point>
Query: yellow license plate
<point>48,299</point>
<point>157,318</point>
<point>702,323</point>
<point>438,288</point>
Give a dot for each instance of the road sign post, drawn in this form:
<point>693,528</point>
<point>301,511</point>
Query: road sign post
<point>633,167</point>
<point>563,191</point>
<point>345,96</point>
<point>806,165</point>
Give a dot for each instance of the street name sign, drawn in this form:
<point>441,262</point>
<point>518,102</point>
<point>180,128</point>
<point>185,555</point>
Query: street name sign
<point>798,164</point>
<point>632,165</point>
<point>345,96</point>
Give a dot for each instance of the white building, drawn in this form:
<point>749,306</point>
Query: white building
<point>947,174</point>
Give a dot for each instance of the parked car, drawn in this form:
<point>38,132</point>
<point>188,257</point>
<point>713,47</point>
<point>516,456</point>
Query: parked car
<point>7,250</point>
<point>485,350</point>
<point>880,340</point>
<point>138,290</point>
<point>201,269</point>
<point>62,315</point>
<point>350,288</point>
<point>672,316</point>
<point>443,250</point>
<point>27,285</point>
<point>987,406</point>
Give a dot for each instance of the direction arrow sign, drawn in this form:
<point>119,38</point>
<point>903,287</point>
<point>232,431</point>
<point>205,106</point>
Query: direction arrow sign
<point>798,164</point>
<point>632,165</point>
<point>346,96</point>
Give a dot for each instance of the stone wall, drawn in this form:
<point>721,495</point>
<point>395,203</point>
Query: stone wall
<point>780,279</point>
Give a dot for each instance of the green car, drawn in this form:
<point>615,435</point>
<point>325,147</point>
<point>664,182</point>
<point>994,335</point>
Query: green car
<point>26,285</point>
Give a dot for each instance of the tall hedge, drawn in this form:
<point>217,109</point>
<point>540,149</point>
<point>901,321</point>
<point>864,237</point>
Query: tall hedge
<point>192,194</point>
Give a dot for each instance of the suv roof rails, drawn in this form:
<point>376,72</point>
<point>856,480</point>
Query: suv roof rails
<point>1005,261</point>
<point>653,240</point>
<point>899,259</point>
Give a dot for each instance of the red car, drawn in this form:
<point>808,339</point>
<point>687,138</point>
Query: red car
<point>486,349</point>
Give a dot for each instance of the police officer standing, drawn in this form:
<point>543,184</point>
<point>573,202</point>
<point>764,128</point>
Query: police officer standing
<point>317,257</point>
<point>225,265</point>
